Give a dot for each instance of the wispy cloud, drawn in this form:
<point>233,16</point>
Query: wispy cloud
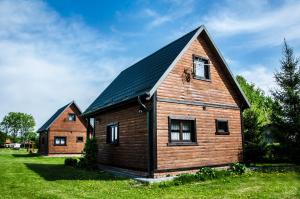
<point>47,61</point>
<point>176,9</point>
<point>266,24</point>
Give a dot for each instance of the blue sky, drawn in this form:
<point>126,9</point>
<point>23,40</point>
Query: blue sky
<point>56,51</point>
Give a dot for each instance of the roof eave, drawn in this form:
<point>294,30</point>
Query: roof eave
<point>104,108</point>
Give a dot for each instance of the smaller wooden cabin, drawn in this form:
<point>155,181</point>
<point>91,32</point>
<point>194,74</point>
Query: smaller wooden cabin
<point>64,132</point>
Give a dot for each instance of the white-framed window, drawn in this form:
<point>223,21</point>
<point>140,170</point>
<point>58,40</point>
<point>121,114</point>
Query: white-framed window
<point>112,136</point>
<point>201,68</point>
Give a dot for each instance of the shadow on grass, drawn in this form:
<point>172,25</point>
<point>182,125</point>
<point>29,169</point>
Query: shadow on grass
<point>26,155</point>
<point>53,172</point>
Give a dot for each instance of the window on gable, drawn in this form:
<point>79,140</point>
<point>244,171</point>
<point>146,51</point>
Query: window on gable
<point>201,68</point>
<point>181,130</point>
<point>222,127</point>
<point>72,117</point>
<point>60,141</point>
<point>79,139</point>
<point>112,136</point>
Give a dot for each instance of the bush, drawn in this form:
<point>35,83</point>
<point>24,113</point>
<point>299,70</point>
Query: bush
<point>71,162</point>
<point>206,173</point>
<point>185,178</point>
<point>89,159</point>
<point>238,168</point>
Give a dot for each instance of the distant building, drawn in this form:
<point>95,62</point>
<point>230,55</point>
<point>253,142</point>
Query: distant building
<point>64,133</point>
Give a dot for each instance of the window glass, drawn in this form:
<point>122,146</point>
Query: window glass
<point>222,126</point>
<point>60,141</point>
<point>112,134</point>
<point>201,68</point>
<point>79,139</point>
<point>175,130</point>
<point>72,117</point>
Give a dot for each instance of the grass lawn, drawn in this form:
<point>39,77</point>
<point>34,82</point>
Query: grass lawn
<point>26,176</point>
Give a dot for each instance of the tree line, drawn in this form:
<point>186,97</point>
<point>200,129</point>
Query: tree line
<point>272,123</point>
<point>18,127</point>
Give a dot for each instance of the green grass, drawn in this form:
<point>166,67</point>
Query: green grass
<point>29,176</point>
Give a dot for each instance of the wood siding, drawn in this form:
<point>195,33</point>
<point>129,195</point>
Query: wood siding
<point>69,129</point>
<point>131,151</point>
<point>211,149</point>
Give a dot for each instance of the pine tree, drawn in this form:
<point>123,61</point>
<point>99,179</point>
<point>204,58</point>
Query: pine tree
<point>286,109</point>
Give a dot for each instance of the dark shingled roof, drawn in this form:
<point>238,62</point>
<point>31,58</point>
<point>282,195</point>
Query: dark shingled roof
<point>49,122</point>
<point>143,77</point>
<point>140,78</point>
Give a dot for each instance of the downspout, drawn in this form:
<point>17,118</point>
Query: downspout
<point>150,136</point>
<point>88,128</point>
<point>242,131</point>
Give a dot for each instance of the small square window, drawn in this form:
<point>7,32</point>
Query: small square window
<point>201,68</point>
<point>112,136</point>
<point>222,127</point>
<point>60,141</point>
<point>72,117</point>
<point>79,139</point>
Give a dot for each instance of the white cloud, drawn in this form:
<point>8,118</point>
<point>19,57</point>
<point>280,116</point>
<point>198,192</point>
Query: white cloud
<point>261,76</point>
<point>265,23</point>
<point>47,61</point>
<point>176,9</point>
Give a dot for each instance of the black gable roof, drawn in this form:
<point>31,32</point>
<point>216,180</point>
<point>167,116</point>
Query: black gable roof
<point>143,77</point>
<point>140,78</point>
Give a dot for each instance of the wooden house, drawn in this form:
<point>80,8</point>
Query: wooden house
<point>64,132</point>
<point>176,110</point>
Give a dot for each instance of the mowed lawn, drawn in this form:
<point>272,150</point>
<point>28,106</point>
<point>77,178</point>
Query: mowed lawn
<point>26,176</point>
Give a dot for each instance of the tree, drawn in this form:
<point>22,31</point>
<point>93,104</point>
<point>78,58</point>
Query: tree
<point>17,124</point>
<point>255,119</point>
<point>2,138</point>
<point>286,110</point>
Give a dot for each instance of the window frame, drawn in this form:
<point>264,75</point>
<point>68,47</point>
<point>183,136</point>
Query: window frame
<point>73,114</point>
<point>217,127</point>
<point>207,66</point>
<point>108,133</point>
<point>59,137</point>
<point>79,141</point>
<point>181,142</point>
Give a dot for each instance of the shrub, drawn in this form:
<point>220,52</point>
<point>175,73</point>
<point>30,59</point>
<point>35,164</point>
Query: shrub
<point>238,168</point>
<point>70,162</point>
<point>206,173</point>
<point>89,159</point>
<point>185,178</point>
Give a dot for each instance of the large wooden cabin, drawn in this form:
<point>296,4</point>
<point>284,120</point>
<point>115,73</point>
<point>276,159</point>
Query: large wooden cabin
<point>176,110</point>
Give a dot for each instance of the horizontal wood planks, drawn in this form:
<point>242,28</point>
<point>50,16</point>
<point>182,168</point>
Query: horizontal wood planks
<point>131,151</point>
<point>211,149</point>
